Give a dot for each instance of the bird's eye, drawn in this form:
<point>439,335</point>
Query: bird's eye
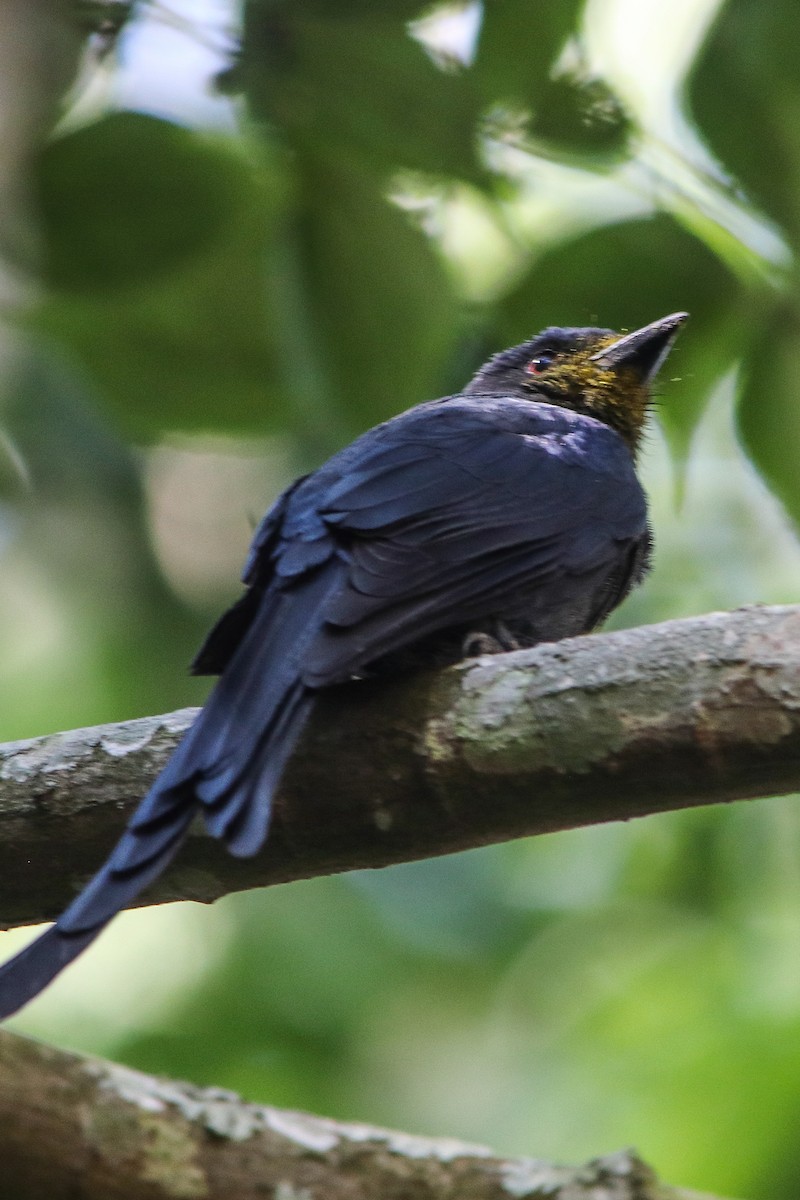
<point>538,365</point>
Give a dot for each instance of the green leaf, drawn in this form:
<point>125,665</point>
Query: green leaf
<point>581,118</point>
<point>382,307</point>
<point>572,114</point>
<point>519,42</point>
<point>395,10</point>
<point>768,418</point>
<point>357,84</point>
<point>156,240</point>
<point>129,198</point>
<point>744,92</point>
<point>745,95</point>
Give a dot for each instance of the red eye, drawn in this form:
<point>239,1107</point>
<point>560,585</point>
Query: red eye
<point>538,365</point>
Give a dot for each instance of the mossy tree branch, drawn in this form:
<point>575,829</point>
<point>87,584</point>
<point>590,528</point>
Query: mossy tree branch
<point>76,1127</point>
<point>603,728</point>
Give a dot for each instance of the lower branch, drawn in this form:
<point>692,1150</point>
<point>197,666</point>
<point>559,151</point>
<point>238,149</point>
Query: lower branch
<point>601,728</point>
<point>82,1129</point>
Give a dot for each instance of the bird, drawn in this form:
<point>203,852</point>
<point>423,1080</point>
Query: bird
<point>503,516</point>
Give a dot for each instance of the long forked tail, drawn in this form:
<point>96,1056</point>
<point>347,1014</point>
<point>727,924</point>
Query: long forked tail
<point>226,767</point>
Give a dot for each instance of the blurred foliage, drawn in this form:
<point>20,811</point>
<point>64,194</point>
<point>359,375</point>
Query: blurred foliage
<point>760,149</point>
<point>567,111</point>
<point>375,212</point>
<point>155,246</point>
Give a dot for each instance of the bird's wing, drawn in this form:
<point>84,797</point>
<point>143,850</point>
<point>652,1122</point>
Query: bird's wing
<point>450,511</point>
<point>224,638</point>
<point>438,514</point>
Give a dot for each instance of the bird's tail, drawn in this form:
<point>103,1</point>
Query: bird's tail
<point>227,767</point>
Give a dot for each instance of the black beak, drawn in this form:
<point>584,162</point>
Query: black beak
<point>645,349</point>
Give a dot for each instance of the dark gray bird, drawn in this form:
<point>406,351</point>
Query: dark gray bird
<point>507,515</point>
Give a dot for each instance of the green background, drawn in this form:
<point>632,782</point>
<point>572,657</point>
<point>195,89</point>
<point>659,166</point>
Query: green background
<point>224,304</point>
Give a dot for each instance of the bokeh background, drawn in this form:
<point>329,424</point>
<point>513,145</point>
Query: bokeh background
<point>234,237</point>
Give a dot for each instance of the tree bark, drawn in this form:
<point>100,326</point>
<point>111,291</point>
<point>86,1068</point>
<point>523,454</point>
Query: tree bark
<point>602,728</point>
<point>82,1129</point>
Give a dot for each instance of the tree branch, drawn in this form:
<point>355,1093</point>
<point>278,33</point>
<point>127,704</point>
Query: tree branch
<point>81,1127</point>
<point>602,728</point>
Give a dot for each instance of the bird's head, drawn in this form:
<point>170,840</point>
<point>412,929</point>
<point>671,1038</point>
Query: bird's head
<point>594,371</point>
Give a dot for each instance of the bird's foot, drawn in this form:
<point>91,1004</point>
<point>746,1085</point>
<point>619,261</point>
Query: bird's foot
<point>475,644</point>
<point>505,637</point>
<point>479,642</point>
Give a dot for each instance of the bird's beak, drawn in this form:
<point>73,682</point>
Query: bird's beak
<point>645,349</point>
